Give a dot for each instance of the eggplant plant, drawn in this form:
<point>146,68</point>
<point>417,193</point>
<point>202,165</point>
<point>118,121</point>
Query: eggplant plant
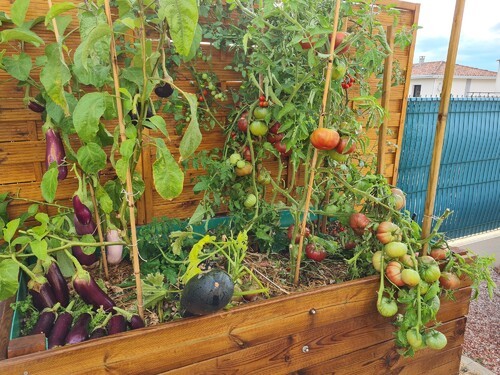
<point>95,115</point>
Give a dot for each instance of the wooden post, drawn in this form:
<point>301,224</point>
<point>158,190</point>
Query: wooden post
<point>386,97</point>
<point>315,155</point>
<point>441,121</point>
<point>129,191</point>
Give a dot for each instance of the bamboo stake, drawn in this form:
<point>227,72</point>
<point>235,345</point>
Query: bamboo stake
<point>129,190</point>
<point>315,155</point>
<point>386,97</point>
<point>441,121</point>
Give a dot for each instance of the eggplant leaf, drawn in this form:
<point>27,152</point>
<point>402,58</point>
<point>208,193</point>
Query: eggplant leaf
<point>18,66</point>
<point>57,9</point>
<point>92,158</point>
<point>18,11</point>
<point>39,248</point>
<point>167,175</point>
<point>22,35</point>
<point>192,137</point>
<point>10,229</point>
<point>182,19</point>
<point>54,75</point>
<point>49,183</point>
<point>88,112</point>
<point>9,274</point>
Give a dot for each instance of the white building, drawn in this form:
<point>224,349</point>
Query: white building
<point>427,80</point>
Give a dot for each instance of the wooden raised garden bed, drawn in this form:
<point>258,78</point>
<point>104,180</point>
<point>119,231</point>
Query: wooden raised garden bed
<point>335,329</point>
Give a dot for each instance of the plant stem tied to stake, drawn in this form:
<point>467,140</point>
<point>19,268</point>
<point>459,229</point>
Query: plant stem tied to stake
<point>441,121</point>
<point>315,155</point>
<point>130,194</point>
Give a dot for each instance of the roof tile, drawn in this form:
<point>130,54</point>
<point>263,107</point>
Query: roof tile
<point>436,68</point>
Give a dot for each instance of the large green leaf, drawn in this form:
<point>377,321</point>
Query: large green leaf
<point>22,35</point>
<point>49,183</point>
<point>18,66</point>
<point>192,137</point>
<point>18,11</point>
<point>92,158</point>
<point>54,75</point>
<point>87,114</point>
<point>39,248</point>
<point>9,274</point>
<point>10,229</point>
<point>182,18</point>
<point>87,45</point>
<point>167,175</point>
<point>57,9</point>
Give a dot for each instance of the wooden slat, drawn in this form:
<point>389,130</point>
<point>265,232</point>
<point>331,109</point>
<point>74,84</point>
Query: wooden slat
<point>383,358</point>
<point>275,330</point>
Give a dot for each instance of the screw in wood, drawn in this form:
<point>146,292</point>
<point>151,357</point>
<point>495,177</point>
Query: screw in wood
<point>305,349</point>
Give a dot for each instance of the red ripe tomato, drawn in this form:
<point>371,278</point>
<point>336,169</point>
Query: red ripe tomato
<point>307,43</point>
<point>281,148</point>
<point>341,147</point>
<point>316,253</point>
<point>358,222</point>
<point>247,154</point>
<point>388,232</point>
<point>243,122</point>
<point>262,98</point>
<point>439,253</point>
<point>273,138</point>
<point>275,128</point>
<point>393,273</point>
<point>339,38</point>
<point>297,237</point>
<point>449,280</point>
<point>349,245</point>
<point>325,139</point>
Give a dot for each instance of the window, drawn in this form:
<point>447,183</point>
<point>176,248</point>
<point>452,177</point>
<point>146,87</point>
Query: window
<point>416,91</point>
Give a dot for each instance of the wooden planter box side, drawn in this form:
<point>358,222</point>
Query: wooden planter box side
<point>335,328</point>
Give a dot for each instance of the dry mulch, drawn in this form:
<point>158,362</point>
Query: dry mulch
<point>482,333</point>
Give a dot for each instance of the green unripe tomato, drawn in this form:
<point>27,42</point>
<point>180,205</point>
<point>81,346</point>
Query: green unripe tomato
<point>234,158</point>
<point>387,307</point>
<point>258,128</point>
<point>250,200</point>
<point>260,113</point>
<point>240,163</point>
<point>435,340</point>
<point>414,338</point>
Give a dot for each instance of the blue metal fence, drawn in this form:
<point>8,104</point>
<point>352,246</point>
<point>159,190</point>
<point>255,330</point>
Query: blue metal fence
<point>469,176</point>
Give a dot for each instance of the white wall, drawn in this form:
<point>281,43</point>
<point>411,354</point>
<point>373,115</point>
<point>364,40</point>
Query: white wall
<point>433,86</point>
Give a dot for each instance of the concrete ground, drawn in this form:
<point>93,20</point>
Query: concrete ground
<point>484,244</point>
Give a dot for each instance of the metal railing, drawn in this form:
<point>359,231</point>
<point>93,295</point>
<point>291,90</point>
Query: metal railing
<point>469,177</point>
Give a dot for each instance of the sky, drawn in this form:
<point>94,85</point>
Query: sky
<point>479,44</point>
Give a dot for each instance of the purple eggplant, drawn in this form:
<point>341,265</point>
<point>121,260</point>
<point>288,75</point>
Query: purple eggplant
<point>36,107</point>
<point>44,323</point>
<point>54,152</point>
<point>136,322</point>
<point>117,324</point>
<point>164,91</point>
<point>80,330</point>
<point>86,287</point>
<point>98,332</point>
<point>42,293</point>
<point>85,259</point>
<point>82,212</point>
<point>60,330</point>
<point>82,229</point>
<point>58,283</point>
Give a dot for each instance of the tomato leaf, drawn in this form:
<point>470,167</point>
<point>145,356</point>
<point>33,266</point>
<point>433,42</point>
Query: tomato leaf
<point>182,19</point>
<point>167,175</point>
<point>9,274</point>
<point>49,183</point>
